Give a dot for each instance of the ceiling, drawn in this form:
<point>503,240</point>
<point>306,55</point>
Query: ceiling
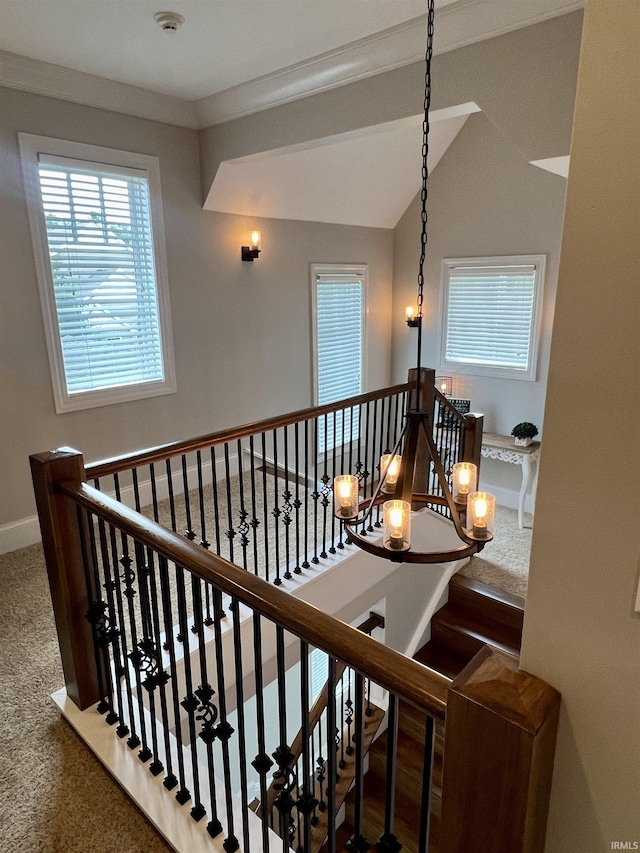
<point>234,57</point>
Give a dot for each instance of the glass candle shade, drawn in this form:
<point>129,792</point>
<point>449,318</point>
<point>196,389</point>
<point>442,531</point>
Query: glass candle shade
<point>389,470</point>
<point>481,513</point>
<point>465,477</point>
<point>396,518</point>
<point>256,240</point>
<point>345,496</point>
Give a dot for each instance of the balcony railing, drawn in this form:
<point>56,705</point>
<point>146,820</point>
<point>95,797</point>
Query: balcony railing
<point>202,666</point>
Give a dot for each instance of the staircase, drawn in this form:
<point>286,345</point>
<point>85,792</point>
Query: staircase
<point>474,615</point>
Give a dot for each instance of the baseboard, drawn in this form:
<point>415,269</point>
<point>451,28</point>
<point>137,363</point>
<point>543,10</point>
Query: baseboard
<point>509,497</point>
<point>19,534</point>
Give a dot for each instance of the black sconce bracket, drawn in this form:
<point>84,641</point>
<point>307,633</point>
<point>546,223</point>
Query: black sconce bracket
<point>249,254</point>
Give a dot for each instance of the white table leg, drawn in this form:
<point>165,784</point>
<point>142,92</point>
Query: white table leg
<point>526,476</point>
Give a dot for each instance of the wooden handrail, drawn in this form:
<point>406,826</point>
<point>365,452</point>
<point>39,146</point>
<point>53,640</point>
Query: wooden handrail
<point>177,448</point>
<point>414,682</point>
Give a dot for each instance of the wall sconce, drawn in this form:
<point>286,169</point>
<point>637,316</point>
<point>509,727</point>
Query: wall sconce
<point>250,253</point>
<point>413,319</point>
<point>444,384</point>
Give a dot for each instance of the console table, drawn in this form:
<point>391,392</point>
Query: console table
<point>504,449</point>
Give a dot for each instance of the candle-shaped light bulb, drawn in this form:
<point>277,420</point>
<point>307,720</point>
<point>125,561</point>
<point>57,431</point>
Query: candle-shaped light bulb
<point>464,478</point>
<point>481,508</point>
<point>390,469</point>
<point>255,239</point>
<point>409,311</point>
<point>395,520</point>
<point>344,489</point>
<point>443,387</point>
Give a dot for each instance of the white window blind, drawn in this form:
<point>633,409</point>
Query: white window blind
<point>491,315</point>
<point>101,251</point>
<point>339,337</point>
<point>96,224</point>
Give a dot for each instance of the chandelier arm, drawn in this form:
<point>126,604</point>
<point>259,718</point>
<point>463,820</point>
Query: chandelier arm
<point>376,499</point>
<point>431,557</point>
<point>442,479</point>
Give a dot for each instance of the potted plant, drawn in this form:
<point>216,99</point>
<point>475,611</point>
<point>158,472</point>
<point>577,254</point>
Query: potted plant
<point>524,432</point>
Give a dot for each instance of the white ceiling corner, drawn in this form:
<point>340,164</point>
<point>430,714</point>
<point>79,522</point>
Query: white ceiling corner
<point>557,165</point>
<point>330,180</point>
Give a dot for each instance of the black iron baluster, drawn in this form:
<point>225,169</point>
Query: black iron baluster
<point>254,515</point>
<point>230,531</point>
<point>325,491</point>
<point>349,714</point>
<point>208,619</point>
<point>296,443</point>
<point>321,765</point>
<point>332,548</point>
<point>242,743</point>
<point>216,502</point>
<point>190,702</point>
<point>172,504</point>
<point>189,531</point>
<point>206,713</point>
<point>183,795</point>
<point>90,566</point>
<point>342,471</point>
<point>306,804</point>
<point>122,670</point>
<point>287,506</point>
<point>340,731</point>
<point>147,660</point>
<point>275,512</point>
<point>427,770</point>
<point>243,527</point>
<point>332,749</point>
<point>156,675</point>
<point>223,732</point>
<point>261,763</point>
<point>265,505</point>
<point>282,782</point>
<point>368,710</point>
<point>154,492</point>
<point>358,842</point>
<point>315,494</point>
<point>305,564</point>
<point>388,842</point>
<point>109,634</point>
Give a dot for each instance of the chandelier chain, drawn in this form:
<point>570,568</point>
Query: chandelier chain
<point>425,153</point>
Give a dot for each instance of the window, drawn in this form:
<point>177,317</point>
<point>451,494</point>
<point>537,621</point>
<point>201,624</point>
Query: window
<point>96,224</point>
<point>491,315</point>
<point>338,297</point>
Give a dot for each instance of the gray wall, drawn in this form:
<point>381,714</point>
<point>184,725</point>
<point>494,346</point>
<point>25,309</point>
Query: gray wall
<point>241,331</point>
<point>484,200</point>
<point>580,631</point>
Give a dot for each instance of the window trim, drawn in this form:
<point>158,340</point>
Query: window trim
<point>528,375</point>
<point>30,147</point>
<point>314,270</point>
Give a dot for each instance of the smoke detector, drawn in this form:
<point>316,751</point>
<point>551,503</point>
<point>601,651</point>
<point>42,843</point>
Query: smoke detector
<point>169,21</point>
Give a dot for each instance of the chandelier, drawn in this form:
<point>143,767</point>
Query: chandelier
<point>471,512</point>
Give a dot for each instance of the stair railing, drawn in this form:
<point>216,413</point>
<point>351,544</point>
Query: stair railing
<point>120,585</point>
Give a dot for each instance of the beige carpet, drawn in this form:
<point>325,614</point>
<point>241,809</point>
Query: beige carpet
<point>504,562</point>
<point>55,797</point>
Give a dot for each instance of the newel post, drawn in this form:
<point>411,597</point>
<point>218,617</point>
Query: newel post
<point>499,747</point>
<point>472,439</point>
<point>62,547</point>
<point>427,403</point>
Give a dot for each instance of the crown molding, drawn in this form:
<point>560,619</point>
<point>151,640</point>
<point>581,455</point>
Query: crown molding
<point>55,81</point>
<point>387,50</point>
